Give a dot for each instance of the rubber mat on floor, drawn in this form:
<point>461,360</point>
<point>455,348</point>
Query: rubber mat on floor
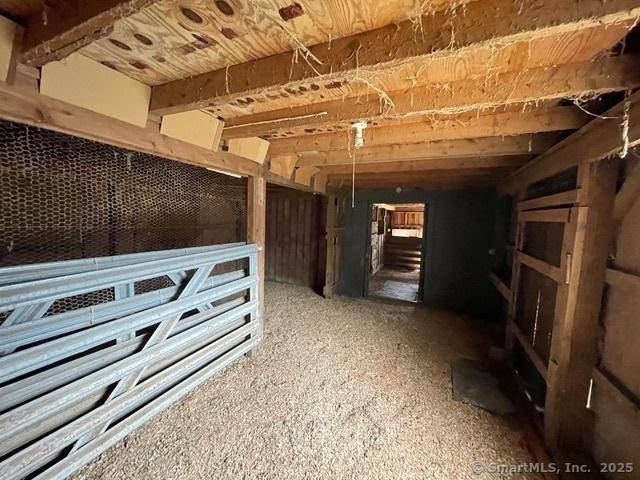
<point>474,384</point>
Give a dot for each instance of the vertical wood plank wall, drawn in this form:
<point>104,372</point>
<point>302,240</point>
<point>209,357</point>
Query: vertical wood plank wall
<point>616,391</point>
<point>295,244</point>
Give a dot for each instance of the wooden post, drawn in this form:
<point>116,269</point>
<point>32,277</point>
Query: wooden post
<point>515,279</point>
<point>568,423</point>
<point>256,226</point>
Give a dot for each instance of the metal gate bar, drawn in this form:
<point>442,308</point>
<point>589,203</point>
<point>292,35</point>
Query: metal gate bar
<point>75,382</point>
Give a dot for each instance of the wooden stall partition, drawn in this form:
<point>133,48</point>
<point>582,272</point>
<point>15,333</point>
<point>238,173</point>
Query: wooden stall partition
<point>568,423</point>
<point>559,261</point>
<point>295,247</point>
<point>543,241</point>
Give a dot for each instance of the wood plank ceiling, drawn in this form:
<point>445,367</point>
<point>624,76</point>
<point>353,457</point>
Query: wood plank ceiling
<point>454,92</point>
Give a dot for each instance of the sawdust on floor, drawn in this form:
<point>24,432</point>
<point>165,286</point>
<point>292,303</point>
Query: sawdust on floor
<point>340,388</point>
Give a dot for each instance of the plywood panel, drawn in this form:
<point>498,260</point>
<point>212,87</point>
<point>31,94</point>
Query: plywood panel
<point>303,175</point>
<point>7,38</point>
<point>620,320</point>
<point>253,148</point>
<point>622,336</point>
<point>628,247</point>
<point>320,182</point>
<point>171,40</point>
<point>617,414</point>
<point>568,47</point>
<point>195,127</point>
<point>85,83</point>
<point>283,165</point>
<point>617,424</point>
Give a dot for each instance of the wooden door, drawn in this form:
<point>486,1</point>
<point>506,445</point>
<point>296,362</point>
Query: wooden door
<point>334,236</point>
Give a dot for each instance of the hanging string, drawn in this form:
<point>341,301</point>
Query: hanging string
<point>625,125</point>
<point>353,180</point>
<point>352,156</point>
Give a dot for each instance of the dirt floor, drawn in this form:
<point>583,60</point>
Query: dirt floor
<point>341,388</point>
<point>398,283</point>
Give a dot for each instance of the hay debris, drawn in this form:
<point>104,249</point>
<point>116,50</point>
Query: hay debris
<point>341,388</point>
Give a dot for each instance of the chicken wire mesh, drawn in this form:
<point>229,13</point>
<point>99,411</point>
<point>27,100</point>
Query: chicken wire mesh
<point>65,198</point>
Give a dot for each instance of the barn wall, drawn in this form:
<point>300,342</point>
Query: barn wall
<point>64,197</point>
<point>617,418</point>
<point>456,268</point>
<point>294,242</point>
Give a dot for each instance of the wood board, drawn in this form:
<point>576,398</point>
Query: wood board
<point>169,41</point>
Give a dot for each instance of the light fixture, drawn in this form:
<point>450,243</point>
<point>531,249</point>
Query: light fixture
<point>359,128</point>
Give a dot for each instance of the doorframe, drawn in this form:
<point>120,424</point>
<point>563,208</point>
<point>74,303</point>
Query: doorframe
<point>423,254</point>
<point>423,249</point>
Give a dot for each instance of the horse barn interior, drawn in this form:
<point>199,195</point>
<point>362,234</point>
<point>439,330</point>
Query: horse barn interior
<point>319,239</point>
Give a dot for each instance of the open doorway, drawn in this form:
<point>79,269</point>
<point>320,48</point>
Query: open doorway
<point>397,232</point>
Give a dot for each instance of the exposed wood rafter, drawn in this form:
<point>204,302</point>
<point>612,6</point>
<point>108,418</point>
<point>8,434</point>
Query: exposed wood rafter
<point>443,163</point>
<point>499,22</point>
<point>427,179</point>
<point>58,32</point>
<point>565,81</point>
<point>490,146</point>
<point>598,139</point>
<point>498,124</point>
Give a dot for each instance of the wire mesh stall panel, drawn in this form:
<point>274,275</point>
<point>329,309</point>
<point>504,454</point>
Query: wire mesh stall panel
<point>64,198</point>
<point>133,306</point>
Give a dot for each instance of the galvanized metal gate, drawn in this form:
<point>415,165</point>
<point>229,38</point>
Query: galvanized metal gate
<point>150,327</point>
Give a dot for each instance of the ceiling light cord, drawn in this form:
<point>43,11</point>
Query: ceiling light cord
<point>358,142</point>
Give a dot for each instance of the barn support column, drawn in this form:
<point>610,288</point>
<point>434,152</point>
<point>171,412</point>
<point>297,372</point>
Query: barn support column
<point>256,226</point>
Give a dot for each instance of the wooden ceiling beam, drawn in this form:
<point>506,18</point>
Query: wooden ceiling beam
<point>426,180</point>
<point>476,61</point>
<point>498,22</point>
<point>571,80</point>
<point>23,104</point>
<point>419,185</point>
<point>600,138</point>
<point>509,123</point>
<point>436,119</point>
<point>57,32</point>
<point>440,175</point>
<point>430,164</point>
<point>491,146</point>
